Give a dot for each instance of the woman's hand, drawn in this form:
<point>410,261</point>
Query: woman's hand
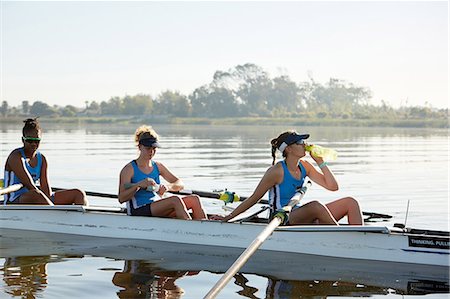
<point>145,183</point>
<point>318,160</point>
<point>162,189</point>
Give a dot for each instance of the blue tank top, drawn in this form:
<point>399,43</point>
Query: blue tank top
<point>11,178</point>
<point>143,197</point>
<point>281,194</point>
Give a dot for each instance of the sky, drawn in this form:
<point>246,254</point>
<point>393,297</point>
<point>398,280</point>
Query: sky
<point>72,52</point>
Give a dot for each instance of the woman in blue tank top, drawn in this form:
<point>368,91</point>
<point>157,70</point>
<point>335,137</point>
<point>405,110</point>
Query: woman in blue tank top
<point>139,176</point>
<point>27,166</point>
<point>284,177</point>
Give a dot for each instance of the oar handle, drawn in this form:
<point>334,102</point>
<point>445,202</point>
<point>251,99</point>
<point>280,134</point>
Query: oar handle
<point>12,188</point>
<point>226,196</point>
<point>257,242</point>
<point>243,258</point>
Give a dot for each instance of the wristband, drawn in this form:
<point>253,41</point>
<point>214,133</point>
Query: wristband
<point>323,164</point>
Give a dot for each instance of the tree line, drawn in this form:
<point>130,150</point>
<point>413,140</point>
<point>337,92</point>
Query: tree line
<point>243,91</point>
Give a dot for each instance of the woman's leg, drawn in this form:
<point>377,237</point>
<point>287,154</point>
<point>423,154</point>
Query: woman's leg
<point>168,206</point>
<point>36,197</point>
<point>347,206</point>
<point>72,196</point>
<point>193,203</point>
<point>310,212</point>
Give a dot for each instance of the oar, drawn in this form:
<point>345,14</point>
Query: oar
<point>229,197</point>
<point>226,196</point>
<point>9,189</point>
<point>90,193</point>
<point>279,218</point>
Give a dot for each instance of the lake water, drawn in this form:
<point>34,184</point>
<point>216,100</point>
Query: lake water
<point>384,168</point>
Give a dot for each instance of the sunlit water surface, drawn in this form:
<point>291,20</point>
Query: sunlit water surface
<point>383,168</point>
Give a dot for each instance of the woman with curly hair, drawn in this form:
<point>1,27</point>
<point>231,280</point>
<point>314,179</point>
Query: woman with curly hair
<point>142,190</point>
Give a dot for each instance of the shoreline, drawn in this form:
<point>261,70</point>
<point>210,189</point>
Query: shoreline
<point>240,121</point>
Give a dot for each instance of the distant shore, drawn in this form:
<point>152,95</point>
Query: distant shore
<point>241,121</point>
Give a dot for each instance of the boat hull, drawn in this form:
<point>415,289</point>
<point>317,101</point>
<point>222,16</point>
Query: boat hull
<point>349,242</point>
<point>288,267</point>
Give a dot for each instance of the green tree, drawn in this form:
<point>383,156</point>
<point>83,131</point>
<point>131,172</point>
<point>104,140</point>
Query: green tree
<point>199,101</point>
<point>254,90</point>
<point>213,102</point>
<point>285,94</point>
<point>41,109</point>
<point>4,108</point>
<point>25,107</point>
<point>337,98</point>
<point>249,84</point>
<point>93,108</point>
<point>114,106</point>
<point>172,103</point>
<point>69,111</point>
<point>137,105</point>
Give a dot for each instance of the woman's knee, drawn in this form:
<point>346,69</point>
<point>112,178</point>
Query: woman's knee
<point>80,197</point>
<point>316,206</point>
<point>176,201</point>
<point>351,202</point>
<point>195,200</point>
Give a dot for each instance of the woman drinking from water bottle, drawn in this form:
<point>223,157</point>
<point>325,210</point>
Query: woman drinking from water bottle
<point>284,178</point>
<point>140,186</point>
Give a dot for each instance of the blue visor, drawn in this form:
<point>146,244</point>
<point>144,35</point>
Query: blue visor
<point>150,141</point>
<point>294,137</point>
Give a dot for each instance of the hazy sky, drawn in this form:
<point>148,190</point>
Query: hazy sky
<point>72,52</point>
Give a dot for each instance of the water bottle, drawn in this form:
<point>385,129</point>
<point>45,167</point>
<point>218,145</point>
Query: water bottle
<point>150,188</point>
<point>327,154</point>
<point>154,188</point>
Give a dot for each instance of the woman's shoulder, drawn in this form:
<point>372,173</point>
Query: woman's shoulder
<point>276,169</point>
<point>128,166</point>
<point>15,153</point>
<point>158,164</point>
<point>275,173</point>
<point>306,164</point>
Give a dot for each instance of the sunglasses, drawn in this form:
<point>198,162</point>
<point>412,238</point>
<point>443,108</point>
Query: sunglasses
<point>150,148</point>
<point>301,141</point>
<point>31,139</point>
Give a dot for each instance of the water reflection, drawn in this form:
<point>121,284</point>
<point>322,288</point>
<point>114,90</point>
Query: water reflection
<point>25,276</point>
<point>142,279</point>
<point>322,289</point>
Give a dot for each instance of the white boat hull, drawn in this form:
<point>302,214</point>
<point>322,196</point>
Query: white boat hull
<point>350,242</point>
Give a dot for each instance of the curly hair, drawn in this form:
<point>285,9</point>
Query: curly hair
<point>144,131</point>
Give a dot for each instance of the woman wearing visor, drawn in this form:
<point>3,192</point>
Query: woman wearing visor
<point>140,186</point>
<point>283,178</point>
<point>27,166</point>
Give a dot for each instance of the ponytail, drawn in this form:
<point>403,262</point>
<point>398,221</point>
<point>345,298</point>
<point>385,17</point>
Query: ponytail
<point>273,142</point>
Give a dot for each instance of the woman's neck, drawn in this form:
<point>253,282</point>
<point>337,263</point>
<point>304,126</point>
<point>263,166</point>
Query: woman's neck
<point>144,161</point>
<point>292,163</point>
<point>29,153</point>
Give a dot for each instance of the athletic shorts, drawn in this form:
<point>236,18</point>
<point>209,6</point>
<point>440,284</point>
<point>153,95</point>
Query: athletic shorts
<point>141,211</point>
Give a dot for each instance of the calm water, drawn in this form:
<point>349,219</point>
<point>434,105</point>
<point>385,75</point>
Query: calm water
<point>383,168</point>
